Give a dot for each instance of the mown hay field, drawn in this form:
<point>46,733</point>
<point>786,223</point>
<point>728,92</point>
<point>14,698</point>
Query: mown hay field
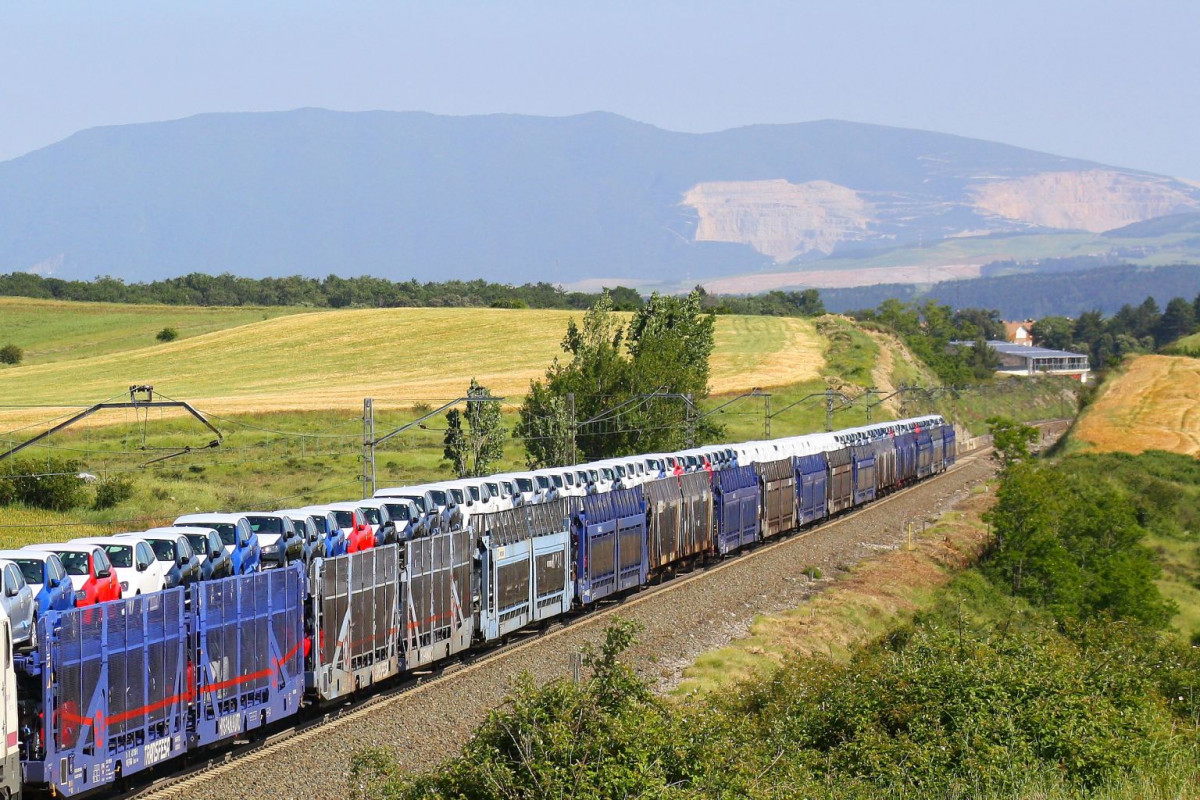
<point>332,359</point>
<point>59,330</point>
<point>1154,404</point>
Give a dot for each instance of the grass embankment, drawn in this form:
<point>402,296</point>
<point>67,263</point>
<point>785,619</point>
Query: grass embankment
<point>850,611</point>
<point>50,331</point>
<point>1152,406</point>
<point>1152,403</point>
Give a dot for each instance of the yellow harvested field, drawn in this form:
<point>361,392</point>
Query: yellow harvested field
<point>1153,405</point>
<point>332,359</point>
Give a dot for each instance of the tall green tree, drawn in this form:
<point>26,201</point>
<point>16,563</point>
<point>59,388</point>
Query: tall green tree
<point>474,438</point>
<point>626,381</point>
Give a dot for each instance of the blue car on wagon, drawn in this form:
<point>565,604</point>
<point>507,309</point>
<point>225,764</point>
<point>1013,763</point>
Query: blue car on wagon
<point>46,575</point>
<point>236,534</point>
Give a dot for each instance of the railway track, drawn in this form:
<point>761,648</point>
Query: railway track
<point>324,721</point>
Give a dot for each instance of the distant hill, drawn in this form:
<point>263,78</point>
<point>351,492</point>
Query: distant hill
<point>518,198</point>
<point>1025,296</point>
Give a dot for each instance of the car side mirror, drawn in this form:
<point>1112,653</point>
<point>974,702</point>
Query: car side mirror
<point>11,591</point>
<point>141,566</point>
<point>183,560</point>
<point>103,573</point>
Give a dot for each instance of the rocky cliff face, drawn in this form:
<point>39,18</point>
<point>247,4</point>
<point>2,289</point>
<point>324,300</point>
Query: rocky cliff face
<point>1095,200</point>
<point>778,218</point>
<point>787,220</point>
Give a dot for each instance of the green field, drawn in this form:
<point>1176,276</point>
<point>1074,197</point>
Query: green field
<point>333,359</point>
<point>53,330</point>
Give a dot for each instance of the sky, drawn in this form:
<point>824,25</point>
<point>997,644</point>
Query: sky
<point>1115,82</point>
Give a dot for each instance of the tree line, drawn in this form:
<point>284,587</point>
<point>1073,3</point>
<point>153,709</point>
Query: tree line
<point>199,289</point>
<point>1133,329</point>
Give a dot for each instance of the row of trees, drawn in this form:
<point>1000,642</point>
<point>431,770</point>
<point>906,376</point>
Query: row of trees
<point>199,289</point>
<point>1133,329</point>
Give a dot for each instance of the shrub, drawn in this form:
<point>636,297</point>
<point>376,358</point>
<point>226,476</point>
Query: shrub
<point>1073,543</point>
<point>11,354</point>
<point>53,484</point>
<point>167,335</point>
<point>112,491</point>
<point>813,572</point>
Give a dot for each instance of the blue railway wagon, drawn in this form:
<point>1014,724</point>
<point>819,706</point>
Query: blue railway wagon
<point>777,482</point>
<point>925,464</point>
<point>812,479</point>
<point>906,457</point>
<point>523,557</point>
<point>354,608</point>
<point>249,652</point>
<point>736,498</point>
<point>113,692</point>
<point>950,443</point>
<point>862,459</point>
<point>936,434</point>
<point>841,480</point>
<point>611,543</point>
<point>436,588</point>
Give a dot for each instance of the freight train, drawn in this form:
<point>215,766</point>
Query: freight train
<point>115,688</point>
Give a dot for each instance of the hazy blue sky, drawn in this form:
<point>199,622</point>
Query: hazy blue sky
<point>1115,82</point>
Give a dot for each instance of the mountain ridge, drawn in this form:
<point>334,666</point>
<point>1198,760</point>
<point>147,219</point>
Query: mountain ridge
<point>521,197</point>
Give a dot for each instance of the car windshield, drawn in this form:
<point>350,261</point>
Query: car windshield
<point>321,522</point>
<point>438,496</point>
<point>419,502</point>
<point>345,519</point>
<point>543,482</point>
<point>557,479</point>
<point>121,555</point>
<point>372,515</point>
<point>226,530</point>
<point>198,541</point>
<point>266,524</point>
<point>494,488</point>
<point>76,563</point>
<point>164,550</point>
<point>31,570</point>
<point>621,470</point>
<point>398,511</point>
<point>457,494</point>
<point>474,492</point>
<point>524,485</point>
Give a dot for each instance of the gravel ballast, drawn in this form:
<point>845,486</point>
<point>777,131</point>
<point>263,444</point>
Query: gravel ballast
<point>701,612</point>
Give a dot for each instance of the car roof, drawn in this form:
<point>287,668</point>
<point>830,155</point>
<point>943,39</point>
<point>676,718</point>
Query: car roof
<point>39,555</point>
<point>67,547</point>
<point>161,533</point>
<point>213,516</point>
<point>344,505</point>
<point>310,511</point>
<point>103,540</point>
<point>184,529</point>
